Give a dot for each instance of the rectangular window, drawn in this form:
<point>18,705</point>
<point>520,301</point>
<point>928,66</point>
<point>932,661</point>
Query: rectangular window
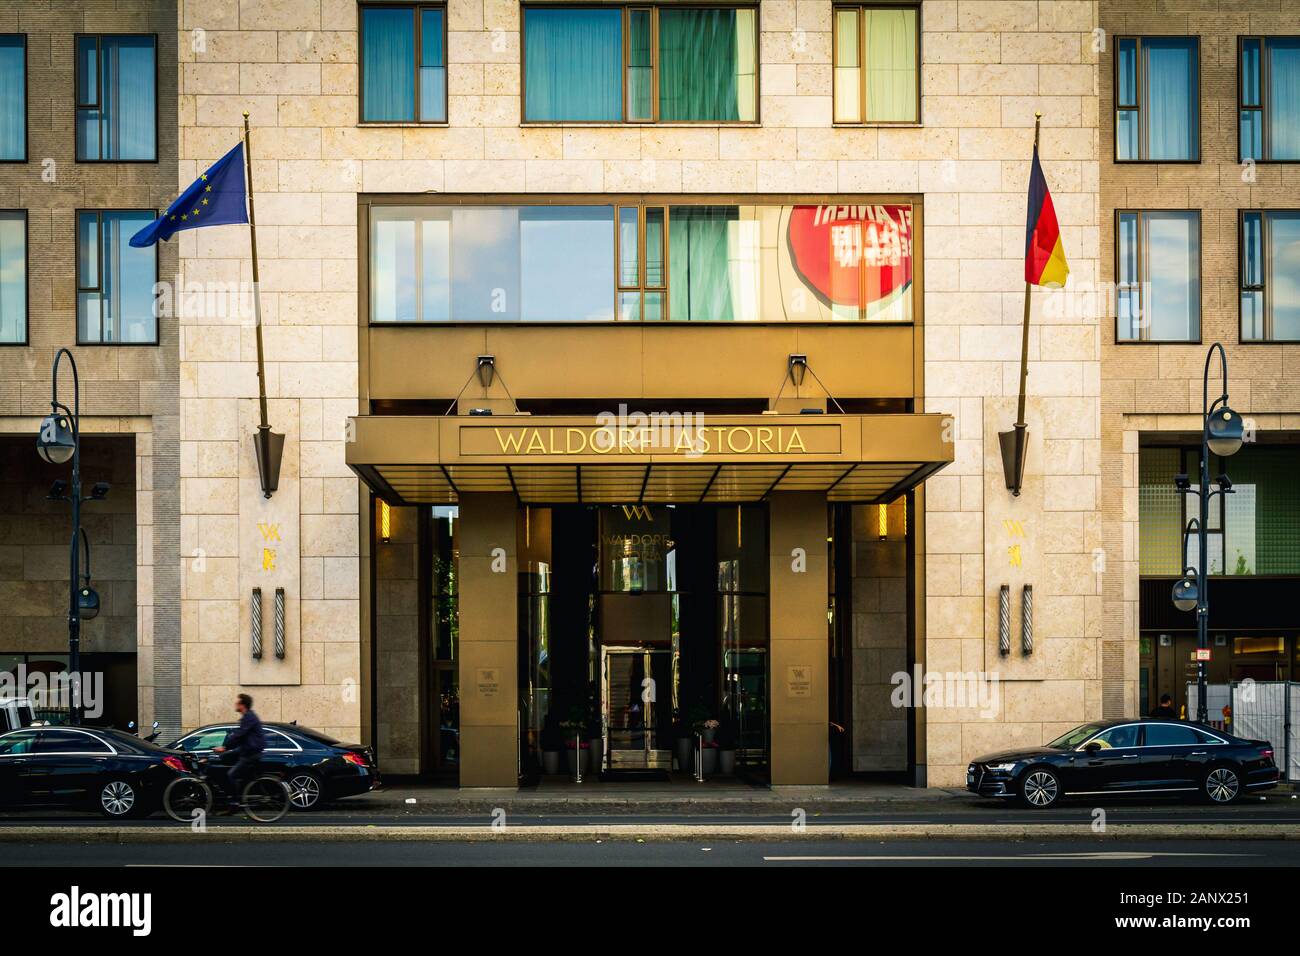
<point>1270,275</point>
<point>640,260</point>
<point>117,112</point>
<point>1157,99</point>
<point>1158,275</point>
<point>13,98</point>
<point>640,64</point>
<point>403,64</point>
<point>13,276</point>
<point>115,281</point>
<point>1268,99</point>
<point>877,64</point>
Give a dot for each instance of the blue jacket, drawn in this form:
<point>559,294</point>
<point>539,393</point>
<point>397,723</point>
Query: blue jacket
<point>248,737</point>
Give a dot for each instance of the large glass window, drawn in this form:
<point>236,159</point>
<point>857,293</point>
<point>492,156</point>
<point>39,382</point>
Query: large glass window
<point>876,64</point>
<point>1268,98</point>
<point>1157,99</point>
<point>1270,275</point>
<point>117,113</point>
<point>641,261</point>
<point>13,276</point>
<point>13,98</point>
<point>403,64</point>
<point>115,281</point>
<point>1158,272</point>
<point>640,64</point>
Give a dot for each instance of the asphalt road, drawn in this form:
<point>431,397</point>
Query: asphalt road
<point>1279,809</point>
<point>777,854</point>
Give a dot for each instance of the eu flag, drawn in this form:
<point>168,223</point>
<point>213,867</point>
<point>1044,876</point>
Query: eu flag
<point>216,198</point>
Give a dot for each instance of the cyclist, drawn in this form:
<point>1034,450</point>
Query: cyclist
<point>246,742</point>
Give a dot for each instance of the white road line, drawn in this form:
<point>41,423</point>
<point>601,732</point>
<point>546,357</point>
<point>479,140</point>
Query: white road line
<point>1099,856</point>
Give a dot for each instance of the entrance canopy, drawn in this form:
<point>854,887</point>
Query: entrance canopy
<point>655,459</point>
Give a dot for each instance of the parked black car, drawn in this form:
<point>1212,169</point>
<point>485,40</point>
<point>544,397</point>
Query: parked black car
<point>115,772</point>
<point>1128,757</point>
<point>316,766</point>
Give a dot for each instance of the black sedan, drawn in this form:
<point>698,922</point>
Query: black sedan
<point>316,766</point>
<point>115,772</point>
<point>1130,757</point>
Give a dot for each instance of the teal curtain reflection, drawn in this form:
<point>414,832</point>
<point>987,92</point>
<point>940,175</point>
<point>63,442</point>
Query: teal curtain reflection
<point>13,98</point>
<point>433,68</point>
<point>1171,98</point>
<point>700,73</point>
<point>573,65</point>
<point>387,61</point>
<point>698,263</point>
<point>1284,98</point>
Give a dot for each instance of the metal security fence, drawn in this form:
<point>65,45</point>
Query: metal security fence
<point>1259,710</point>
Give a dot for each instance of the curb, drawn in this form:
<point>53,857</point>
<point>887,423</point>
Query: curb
<point>648,833</point>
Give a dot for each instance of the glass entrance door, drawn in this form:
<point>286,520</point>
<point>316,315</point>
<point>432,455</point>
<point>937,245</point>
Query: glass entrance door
<point>636,710</point>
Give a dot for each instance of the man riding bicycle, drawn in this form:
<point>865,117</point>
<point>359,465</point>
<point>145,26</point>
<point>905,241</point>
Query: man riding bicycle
<point>246,742</point>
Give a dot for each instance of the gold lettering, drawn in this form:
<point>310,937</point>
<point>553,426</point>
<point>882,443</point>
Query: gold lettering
<point>731,440</point>
<point>582,441</point>
<point>796,441</point>
<point>765,439</point>
<point>509,443</point>
<point>535,444</point>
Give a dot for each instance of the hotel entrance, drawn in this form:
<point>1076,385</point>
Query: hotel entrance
<point>643,640</point>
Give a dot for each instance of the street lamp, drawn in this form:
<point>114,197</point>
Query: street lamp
<point>1222,432</point>
<point>57,442</point>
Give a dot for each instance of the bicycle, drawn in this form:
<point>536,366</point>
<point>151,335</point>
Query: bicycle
<point>266,798</point>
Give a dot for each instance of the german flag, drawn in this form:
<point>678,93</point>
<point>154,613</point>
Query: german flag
<point>1045,263</point>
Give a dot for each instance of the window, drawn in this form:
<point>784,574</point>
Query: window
<point>640,64</point>
<point>1117,737</point>
<point>115,281</point>
<point>278,741</point>
<point>1270,275</point>
<point>1170,735</point>
<point>1158,271</point>
<point>17,743</point>
<point>1268,99</point>
<point>70,742</point>
<point>877,57</point>
<point>640,260</point>
<point>117,112</point>
<point>403,64</point>
<point>1157,99</point>
<point>13,276</point>
<point>205,739</point>
<point>13,98</point>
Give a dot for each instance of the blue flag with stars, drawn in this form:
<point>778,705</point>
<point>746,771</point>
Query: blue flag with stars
<point>216,198</point>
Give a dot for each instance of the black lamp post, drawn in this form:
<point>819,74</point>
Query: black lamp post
<point>58,442</point>
<point>1222,431</point>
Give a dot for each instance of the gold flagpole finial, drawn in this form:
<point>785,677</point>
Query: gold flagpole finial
<point>246,114</point>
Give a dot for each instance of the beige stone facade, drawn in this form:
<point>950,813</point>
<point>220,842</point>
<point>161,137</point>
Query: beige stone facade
<point>128,393</point>
<point>987,66</point>
<point>1154,392</point>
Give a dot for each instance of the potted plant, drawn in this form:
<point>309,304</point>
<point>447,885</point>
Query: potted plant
<point>726,739</point>
<point>552,744</point>
<point>709,730</point>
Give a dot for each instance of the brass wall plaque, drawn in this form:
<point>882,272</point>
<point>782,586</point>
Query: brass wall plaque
<point>798,680</point>
<point>489,681</point>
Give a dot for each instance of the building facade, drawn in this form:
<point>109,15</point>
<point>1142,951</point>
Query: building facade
<point>642,366</point>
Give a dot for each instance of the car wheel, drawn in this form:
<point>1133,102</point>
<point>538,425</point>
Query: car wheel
<point>1221,786</point>
<point>304,791</point>
<point>118,799</point>
<point>1040,788</point>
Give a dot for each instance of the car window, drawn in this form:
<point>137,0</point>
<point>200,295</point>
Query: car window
<point>316,735</point>
<point>277,741</point>
<point>69,742</point>
<point>21,742</point>
<point>1169,735</point>
<point>205,739</point>
<point>1125,736</point>
<point>1205,738</point>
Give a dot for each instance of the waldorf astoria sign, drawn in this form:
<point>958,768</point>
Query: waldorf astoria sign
<point>670,437</point>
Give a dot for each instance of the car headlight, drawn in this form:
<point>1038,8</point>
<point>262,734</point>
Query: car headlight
<point>1002,767</point>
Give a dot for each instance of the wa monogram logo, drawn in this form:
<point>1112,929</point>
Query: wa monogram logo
<point>638,513</point>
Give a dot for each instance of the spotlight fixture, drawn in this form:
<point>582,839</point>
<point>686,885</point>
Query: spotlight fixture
<point>797,368</point>
<point>58,491</point>
<point>1182,482</point>
<point>99,491</point>
<point>1224,483</point>
<point>487,370</point>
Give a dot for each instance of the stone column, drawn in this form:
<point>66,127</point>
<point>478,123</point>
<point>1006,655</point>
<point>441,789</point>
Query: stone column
<point>489,635</point>
<point>798,639</point>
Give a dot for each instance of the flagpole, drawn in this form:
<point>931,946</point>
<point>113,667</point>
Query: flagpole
<point>267,444</point>
<point>1024,335</point>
